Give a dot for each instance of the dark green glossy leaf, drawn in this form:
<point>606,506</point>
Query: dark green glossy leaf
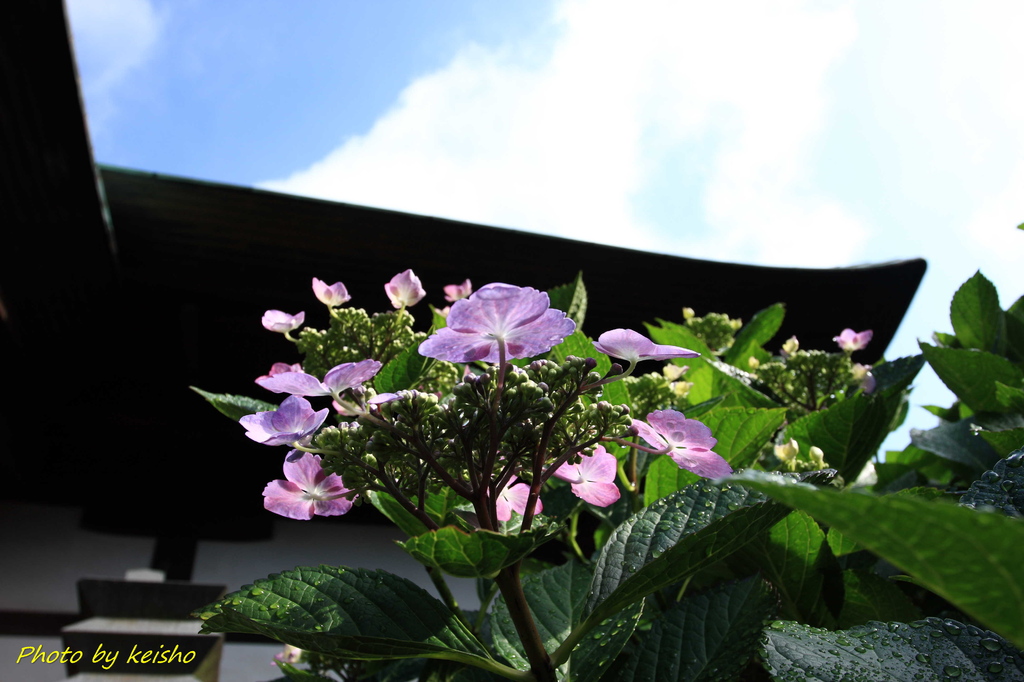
<point>674,538</point>
<point>892,377</point>
<point>298,675</point>
<point>957,441</point>
<point>741,433</point>
<point>970,558</point>
<point>868,596</point>
<point>848,433</point>
<point>931,649</point>
<point>972,375</point>
<point>1004,442</point>
<point>976,316</point>
<point>1010,397</point>
<point>235,406</point>
<point>479,554</point>
<point>347,612</point>
<point>707,637</point>
<point>674,334</point>
<point>1001,487</point>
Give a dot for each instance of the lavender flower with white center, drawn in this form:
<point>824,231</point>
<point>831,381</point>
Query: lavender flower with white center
<point>280,368</point>
<point>293,421</point>
<point>513,499</point>
<point>338,380</point>
<point>688,442</point>
<point>331,296</point>
<point>593,479</point>
<point>405,289</point>
<point>457,292</point>
<point>519,317</point>
<point>850,340</point>
<point>308,490</point>
<point>281,322</point>
<point>629,345</point>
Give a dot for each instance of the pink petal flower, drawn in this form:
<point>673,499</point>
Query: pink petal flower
<point>593,479</point>
<point>689,440</point>
<point>338,379</point>
<point>522,317</point>
<point>456,292</point>
<point>288,424</point>
<point>280,368</point>
<point>277,321</point>
<point>333,295</point>
<point>405,289</point>
<point>308,491</point>
<point>850,340</point>
<point>514,498</point>
<point>629,345</point>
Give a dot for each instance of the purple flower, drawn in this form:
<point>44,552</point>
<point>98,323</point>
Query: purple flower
<point>331,296</point>
<point>631,346</point>
<point>277,321</point>
<point>338,380</point>
<point>288,424</point>
<point>689,440</point>
<point>456,292</point>
<point>593,479</point>
<point>280,368</point>
<point>521,317</point>
<point>405,289</point>
<point>308,491</point>
<point>850,340</point>
<point>514,498</point>
<point>863,376</point>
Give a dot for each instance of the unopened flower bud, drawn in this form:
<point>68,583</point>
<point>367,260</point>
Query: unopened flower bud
<point>753,362</point>
<point>817,457</point>
<point>790,346</point>
<point>673,372</point>
<point>688,313</point>
<point>787,452</point>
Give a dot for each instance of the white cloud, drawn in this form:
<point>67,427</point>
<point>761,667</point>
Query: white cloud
<point>564,144</point>
<point>112,38</point>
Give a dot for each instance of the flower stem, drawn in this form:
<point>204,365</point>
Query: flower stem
<point>515,599</point>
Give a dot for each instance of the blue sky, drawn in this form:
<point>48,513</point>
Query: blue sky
<point>807,134</point>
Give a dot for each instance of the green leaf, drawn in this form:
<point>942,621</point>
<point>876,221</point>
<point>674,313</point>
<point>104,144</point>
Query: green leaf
<point>1004,442</point>
<point>571,299</point>
<point>759,331</point>
<point>556,598</point>
<point>849,432</point>
<point>840,544</point>
<point>741,433</point>
<point>1010,397</point>
<point>970,558</point>
<point>405,372</point>
<point>439,507</point>
<point>1001,487</point>
<point>794,558</point>
<point>892,377</point>
<point>674,538</point>
<point>931,649</point>
<point>956,441</point>
<point>348,612</point>
<point>437,320</point>
<point>479,554</point>
<point>298,675</point>
<point>976,316</point>
<point>972,375</point>
<point>1015,331</point>
<point>235,406</point>
<point>868,596</point>
<point>707,637</point>
<point>617,393</point>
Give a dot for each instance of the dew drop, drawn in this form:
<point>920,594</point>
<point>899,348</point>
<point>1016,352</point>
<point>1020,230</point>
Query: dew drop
<point>991,644</point>
<point>990,477</point>
<point>951,627</point>
<point>922,658</point>
<point>255,591</point>
<point>952,671</point>
<point>995,667</point>
<point>1007,485</point>
<point>1015,460</point>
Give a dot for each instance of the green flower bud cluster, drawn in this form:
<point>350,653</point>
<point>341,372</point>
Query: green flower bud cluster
<point>716,330</point>
<point>650,392</point>
<point>808,380</point>
<point>347,455</point>
<point>354,335</point>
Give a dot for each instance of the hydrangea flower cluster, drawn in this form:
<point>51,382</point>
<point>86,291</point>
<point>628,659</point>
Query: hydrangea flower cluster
<point>506,433</point>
